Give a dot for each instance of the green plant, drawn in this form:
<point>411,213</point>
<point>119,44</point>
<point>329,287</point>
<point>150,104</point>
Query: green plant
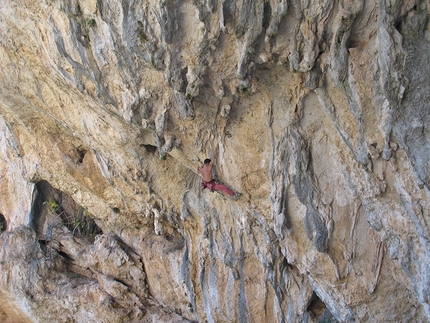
<point>1,227</point>
<point>82,225</point>
<point>91,23</point>
<point>244,89</point>
<point>52,204</point>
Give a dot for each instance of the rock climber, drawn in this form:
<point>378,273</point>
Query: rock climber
<point>208,181</point>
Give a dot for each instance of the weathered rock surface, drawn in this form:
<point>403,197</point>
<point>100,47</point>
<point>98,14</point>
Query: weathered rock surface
<point>321,113</point>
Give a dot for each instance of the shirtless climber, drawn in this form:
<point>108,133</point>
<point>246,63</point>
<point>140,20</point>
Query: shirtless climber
<point>208,182</point>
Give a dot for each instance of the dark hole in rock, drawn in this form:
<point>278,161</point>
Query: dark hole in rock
<point>267,14</point>
<point>3,224</point>
<point>81,153</point>
<point>43,245</point>
<point>398,25</point>
<point>66,257</point>
<point>150,149</point>
<point>316,307</point>
<point>184,72</point>
<point>53,208</point>
<point>353,43</point>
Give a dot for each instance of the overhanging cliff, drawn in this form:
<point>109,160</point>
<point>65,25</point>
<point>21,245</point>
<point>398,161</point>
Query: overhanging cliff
<point>321,114</point>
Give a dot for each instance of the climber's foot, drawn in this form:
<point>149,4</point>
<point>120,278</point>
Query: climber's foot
<point>236,196</point>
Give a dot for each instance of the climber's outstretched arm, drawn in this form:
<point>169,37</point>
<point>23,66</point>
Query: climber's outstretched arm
<point>214,156</point>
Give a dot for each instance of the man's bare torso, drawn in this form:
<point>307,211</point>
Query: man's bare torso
<point>206,172</point>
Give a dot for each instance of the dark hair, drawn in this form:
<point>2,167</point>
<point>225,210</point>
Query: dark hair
<point>207,161</point>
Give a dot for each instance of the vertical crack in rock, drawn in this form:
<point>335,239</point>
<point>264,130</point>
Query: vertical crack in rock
<point>410,108</point>
<point>342,75</point>
<point>319,109</point>
<point>305,185</point>
<point>280,159</point>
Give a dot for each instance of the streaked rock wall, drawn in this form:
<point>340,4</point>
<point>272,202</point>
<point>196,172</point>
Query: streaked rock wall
<point>321,113</point>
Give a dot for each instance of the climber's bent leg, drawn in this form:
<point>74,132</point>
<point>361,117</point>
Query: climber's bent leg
<point>223,188</point>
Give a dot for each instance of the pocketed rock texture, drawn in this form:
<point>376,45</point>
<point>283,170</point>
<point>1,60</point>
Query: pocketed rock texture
<point>321,113</point>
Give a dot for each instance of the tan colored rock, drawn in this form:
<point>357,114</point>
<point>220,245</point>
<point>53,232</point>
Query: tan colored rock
<point>320,113</point>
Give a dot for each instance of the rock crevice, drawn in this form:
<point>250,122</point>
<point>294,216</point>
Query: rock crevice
<point>319,110</point>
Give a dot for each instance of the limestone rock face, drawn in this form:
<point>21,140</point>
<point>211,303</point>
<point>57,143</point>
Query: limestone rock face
<point>321,113</point>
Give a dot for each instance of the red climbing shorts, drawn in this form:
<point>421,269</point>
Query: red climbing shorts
<point>212,186</point>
